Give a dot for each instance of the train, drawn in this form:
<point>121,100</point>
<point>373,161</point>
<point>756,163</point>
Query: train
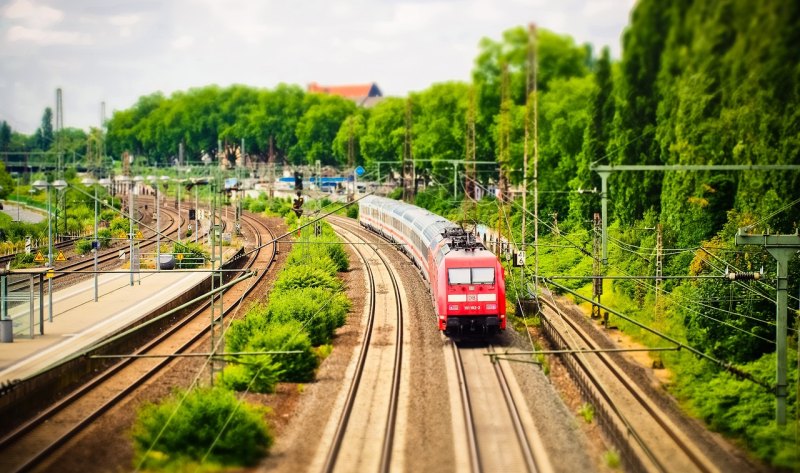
<point>467,281</point>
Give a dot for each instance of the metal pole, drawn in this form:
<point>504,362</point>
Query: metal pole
<point>782,256</point>
<point>604,216</point>
<point>455,180</point>
<point>158,231</point>
<point>196,216</point>
<point>49,257</point>
<point>130,234</point>
<point>179,208</point>
<point>96,243</point>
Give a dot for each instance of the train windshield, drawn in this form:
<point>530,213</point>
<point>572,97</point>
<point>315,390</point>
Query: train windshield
<point>470,275</point>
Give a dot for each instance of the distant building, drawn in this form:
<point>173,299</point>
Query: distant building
<point>364,95</point>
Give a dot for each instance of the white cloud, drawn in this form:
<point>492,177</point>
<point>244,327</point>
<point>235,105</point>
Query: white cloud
<point>46,37</point>
<point>402,45</point>
<point>183,42</point>
<point>32,15</point>
<point>125,20</point>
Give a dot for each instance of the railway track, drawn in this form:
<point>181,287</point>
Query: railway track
<point>32,445</point>
<point>497,439</point>
<point>364,439</point>
<point>646,437</point>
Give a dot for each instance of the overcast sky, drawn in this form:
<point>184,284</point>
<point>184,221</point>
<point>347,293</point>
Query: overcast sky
<point>117,50</point>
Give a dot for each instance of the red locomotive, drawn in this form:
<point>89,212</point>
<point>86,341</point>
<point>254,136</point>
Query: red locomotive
<point>467,281</point>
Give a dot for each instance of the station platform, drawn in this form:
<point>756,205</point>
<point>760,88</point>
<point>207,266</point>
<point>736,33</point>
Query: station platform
<point>79,322</point>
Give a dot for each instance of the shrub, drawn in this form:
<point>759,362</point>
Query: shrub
<point>107,215</point>
<point>193,254</point>
<point>321,311</point>
<point>287,336</point>
<point>83,246</point>
<point>313,256</point>
<point>104,236</point>
<point>240,331</point>
<point>352,211</point>
<point>22,260</point>
<point>254,373</point>
<point>305,275</point>
<point>208,425</point>
<point>257,206</point>
<point>119,225</point>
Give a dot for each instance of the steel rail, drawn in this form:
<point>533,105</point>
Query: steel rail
<point>655,414</point>
<point>519,429</point>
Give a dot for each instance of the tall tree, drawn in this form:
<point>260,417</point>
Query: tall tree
<point>44,135</point>
<point>634,140</point>
<point>5,136</point>
<point>596,142</point>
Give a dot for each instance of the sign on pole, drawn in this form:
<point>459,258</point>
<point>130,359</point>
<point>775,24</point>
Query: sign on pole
<point>39,258</point>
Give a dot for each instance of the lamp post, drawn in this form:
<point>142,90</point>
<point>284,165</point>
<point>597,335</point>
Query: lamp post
<point>156,184</point>
<point>134,183</point>
<point>60,185</point>
<point>42,184</point>
<point>179,183</point>
<point>88,181</point>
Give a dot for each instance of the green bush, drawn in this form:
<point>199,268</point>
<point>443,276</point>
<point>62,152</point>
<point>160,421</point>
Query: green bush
<point>194,254</point>
<point>352,211</point>
<point>107,215</point>
<point>306,275</point>
<point>254,373</point>
<point>321,311</point>
<point>287,336</point>
<point>240,331</point>
<point>257,206</point>
<point>104,236</point>
<point>314,256</point>
<point>22,260</point>
<point>83,246</point>
<point>209,426</point>
<point>119,224</point>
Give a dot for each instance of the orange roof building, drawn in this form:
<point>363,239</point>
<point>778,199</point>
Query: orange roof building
<point>364,95</point>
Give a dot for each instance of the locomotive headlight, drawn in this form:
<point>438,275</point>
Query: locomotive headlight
<point>453,307</point>
<point>491,306</point>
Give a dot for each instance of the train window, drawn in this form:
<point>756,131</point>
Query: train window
<point>470,275</point>
<point>482,275</point>
<point>458,276</point>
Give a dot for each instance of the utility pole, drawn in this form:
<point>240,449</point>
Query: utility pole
<point>659,269</point>
<point>470,177</point>
<point>409,177</point>
<point>534,45</point>
<point>597,268</point>
<point>781,247</point>
<point>217,320</point>
<point>504,152</point>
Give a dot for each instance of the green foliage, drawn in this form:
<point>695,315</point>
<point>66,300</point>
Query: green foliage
<point>202,426</point>
<point>22,260</point>
<point>253,373</point>
<point>352,212</point>
<point>320,310</point>
<point>257,206</point>
<point>587,412</point>
<point>300,276</point>
<point>742,409</point>
<point>194,254</point>
<point>83,246</point>
<point>285,335</point>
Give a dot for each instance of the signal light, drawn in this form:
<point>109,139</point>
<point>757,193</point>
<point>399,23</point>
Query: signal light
<point>298,181</point>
